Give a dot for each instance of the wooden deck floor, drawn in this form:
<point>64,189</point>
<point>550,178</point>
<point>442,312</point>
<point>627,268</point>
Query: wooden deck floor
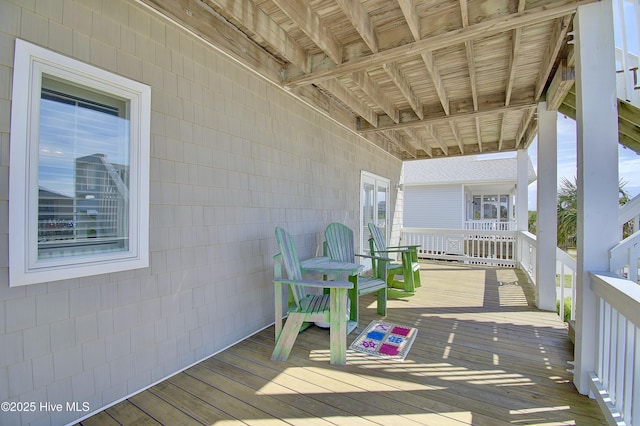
<point>483,355</point>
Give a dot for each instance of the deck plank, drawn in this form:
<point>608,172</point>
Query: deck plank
<point>100,419</point>
<point>162,411</point>
<point>189,403</point>
<point>126,413</point>
<point>484,355</point>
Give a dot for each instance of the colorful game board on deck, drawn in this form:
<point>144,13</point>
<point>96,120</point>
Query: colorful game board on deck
<point>386,340</point>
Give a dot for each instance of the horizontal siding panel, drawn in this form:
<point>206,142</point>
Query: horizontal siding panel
<point>439,206</point>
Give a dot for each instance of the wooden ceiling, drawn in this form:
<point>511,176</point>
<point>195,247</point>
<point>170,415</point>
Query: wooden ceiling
<point>418,78</point>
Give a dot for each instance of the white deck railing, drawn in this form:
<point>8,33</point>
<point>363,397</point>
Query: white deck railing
<point>626,23</point>
<point>623,258</point>
<point>490,225</point>
<point>566,270</point>
<point>615,383</point>
<point>495,248</point>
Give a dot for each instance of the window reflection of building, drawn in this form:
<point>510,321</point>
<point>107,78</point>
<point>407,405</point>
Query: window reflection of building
<point>98,210</point>
<point>55,216</point>
<point>101,198</point>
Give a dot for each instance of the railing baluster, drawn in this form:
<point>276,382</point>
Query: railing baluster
<point>621,349</point>
<point>627,391</point>
<point>635,404</point>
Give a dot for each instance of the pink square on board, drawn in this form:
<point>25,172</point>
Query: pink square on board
<point>389,349</point>
<point>400,331</point>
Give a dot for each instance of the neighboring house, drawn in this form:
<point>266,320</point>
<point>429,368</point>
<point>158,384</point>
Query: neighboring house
<point>462,193</point>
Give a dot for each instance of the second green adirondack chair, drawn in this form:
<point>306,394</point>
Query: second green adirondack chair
<point>409,267</point>
<point>340,245</point>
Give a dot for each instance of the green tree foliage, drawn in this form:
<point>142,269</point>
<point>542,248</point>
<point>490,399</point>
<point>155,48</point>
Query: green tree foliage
<point>568,211</point>
<point>533,220</point>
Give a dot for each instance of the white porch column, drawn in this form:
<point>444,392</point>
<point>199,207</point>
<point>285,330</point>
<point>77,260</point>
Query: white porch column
<point>522,191</point>
<point>547,201</point>
<point>597,130</point>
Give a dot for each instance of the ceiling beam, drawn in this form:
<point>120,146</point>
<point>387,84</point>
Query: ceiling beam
<point>308,21</point>
<point>264,28</point>
<point>456,136</point>
<point>400,142</point>
<point>218,33</point>
<point>503,121</point>
<point>437,80</point>
<point>467,115</point>
<point>483,29</point>
<point>524,125</point>
<point>350,100</point>
<point>436,137</point>
<point>368,86</point>
<point>515,48</point>
<point>478,133</point>
<point>560,85</point>
<point>413,21</point>
<point>412,18</point>
<point>395,74</point>
<point>420,141</point>
<point>361,21</point>
<point>556,40</point>
<point>471,61</point>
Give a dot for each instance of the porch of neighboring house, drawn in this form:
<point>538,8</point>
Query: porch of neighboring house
<point>483,355</point>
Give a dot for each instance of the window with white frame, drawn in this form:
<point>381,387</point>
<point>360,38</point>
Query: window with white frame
<point>374,207</point>
<point>79,169</point>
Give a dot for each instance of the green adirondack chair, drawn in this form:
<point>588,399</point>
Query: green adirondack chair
<point>340,247</point>
<point>305,308</point>
<point>409,267</point>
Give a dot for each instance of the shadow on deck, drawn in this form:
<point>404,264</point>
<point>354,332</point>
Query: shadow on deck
<point>483,355</point>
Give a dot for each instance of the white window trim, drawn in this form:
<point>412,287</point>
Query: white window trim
<point>29,63</point>
<point>377,180</point>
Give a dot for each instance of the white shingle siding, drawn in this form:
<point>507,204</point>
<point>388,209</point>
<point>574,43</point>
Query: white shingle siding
<point>232,156</point>
<point>437,206</point>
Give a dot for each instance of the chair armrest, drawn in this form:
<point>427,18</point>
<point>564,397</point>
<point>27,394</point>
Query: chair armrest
<point>411,247</point>
<point>394,251</point>
<point>317,284</point>
<point>383,259</point>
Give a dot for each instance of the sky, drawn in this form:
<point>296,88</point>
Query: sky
<point>628,161</point>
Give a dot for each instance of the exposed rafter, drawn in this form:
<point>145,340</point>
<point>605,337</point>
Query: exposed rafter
<point>415,80</point>
<point>361,78</point>
<point>556,40</point>
<point>263,27</point>
<point>470,115</point>
<point>350,100</point>
<point>456,136</point>
<point>483,29</point>
<point>437,138</point>
<point>361,22</point>
<point>401,82</point>
<point>309,22</point>
<point>515,48</point>
<point>468,48</point>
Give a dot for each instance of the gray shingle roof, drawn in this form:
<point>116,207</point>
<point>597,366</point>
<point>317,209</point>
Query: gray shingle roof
<point>465,169</point>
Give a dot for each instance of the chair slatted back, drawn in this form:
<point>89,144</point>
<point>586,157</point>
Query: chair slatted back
<point>378,237</point>
<point>339,239</point>
<point>291,262</point>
